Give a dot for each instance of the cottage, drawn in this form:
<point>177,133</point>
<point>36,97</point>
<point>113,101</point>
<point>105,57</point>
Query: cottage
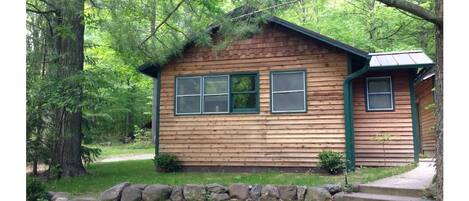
<point>277,99</point>
<point>425,105</point>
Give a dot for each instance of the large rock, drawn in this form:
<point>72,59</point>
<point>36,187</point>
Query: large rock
<point>156,192</point>
<point>62,195</point>
<point>131,193</point>
<point>114,193</point>
<point>287,192</point>
<point>193,192</point>
<point>239,191</point>
<point>300,193</point>
<point>255,192</point>
<point>219,197</point>
<point>84,199</point>
<point>333,188</point>
<point>269,193</point>
<point>139,186</point>
<point>216,188</point>
<point>317,194</point>
<point>176,194</point>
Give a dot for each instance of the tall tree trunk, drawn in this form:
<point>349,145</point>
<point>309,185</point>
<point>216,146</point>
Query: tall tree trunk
<point>69,49</point>
<point>439,102</point>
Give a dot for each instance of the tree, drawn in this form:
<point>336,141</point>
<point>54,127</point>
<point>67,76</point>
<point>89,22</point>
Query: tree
<point>435,17</point>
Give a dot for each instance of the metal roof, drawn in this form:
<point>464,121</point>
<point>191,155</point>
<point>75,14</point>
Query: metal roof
<point>414,58</point>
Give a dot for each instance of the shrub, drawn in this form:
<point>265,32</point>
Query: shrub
<point>331,161</point>
<point>35,190</point>
<point>89,154</point>
<point>166,163</point>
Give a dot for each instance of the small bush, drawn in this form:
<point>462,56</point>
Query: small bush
<point>331,161</point>
<point>166,163</point>
<point>35,190</point>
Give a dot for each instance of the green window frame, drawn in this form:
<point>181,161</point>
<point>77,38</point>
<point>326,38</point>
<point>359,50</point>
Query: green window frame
<point>388,94</point>
<point>287,92</point>
<point>216,90</point>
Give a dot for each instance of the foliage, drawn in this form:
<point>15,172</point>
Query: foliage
<point>383,138</point>
<point>35,190</point>
<point>89,154</point>
<point>166,163</point>
<point>332,162</point>
<point>103,175</point>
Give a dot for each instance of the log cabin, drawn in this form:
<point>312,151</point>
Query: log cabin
<point>425,105</point>
<point>280,97</point>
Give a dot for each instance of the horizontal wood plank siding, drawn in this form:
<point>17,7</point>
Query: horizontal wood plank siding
<point>264,139</point>
<point>424,96</point>
<point>398,123</point>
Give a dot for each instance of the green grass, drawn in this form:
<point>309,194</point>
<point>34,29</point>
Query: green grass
<point>125,149</point>
<point>104,175</point>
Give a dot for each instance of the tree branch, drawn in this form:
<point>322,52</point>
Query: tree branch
<point>37,10</point>
<point>415,10</point>
<point>268,8</point>
<point>177,30</point>
<point>164,21</point>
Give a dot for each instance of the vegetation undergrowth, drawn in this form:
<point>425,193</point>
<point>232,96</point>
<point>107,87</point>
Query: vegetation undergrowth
<point>104,175</point>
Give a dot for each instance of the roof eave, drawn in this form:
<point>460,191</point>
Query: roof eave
<point>149,69</point>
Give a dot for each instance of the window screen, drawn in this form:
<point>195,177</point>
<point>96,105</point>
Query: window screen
<point>288,91</point>
<point>244,93</point>
<point>188,95</point>
<point>379,94</point>
<point>216,94</point>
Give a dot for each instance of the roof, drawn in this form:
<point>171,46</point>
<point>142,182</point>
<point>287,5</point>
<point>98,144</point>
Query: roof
<point>151,69</point>
<point>403,59</point>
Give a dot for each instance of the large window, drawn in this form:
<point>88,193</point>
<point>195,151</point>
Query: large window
<point>288,91</point>
<point>217,94</point>
<point>379,95</point>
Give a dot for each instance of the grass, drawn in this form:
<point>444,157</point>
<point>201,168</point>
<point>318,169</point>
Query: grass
<point>104,175</point>
<point>125,149</point>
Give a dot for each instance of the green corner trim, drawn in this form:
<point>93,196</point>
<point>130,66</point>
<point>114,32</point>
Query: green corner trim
<point>415,126</point>
<point>348,110</point>
<point>157,129</point>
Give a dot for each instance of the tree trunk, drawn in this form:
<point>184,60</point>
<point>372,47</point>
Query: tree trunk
<point>439,102</point>
<point>69,48</point>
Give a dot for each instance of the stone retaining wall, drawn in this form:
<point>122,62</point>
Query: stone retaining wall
<point>210,192</point>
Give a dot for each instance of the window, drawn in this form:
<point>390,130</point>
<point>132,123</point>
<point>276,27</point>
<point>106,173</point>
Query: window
<point>188,95</point>
<point>244,93</point>
<point>217,94</point>
<point>288,91</point>
<point>379,95</point>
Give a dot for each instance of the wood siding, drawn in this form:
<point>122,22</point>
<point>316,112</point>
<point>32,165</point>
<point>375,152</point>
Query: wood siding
<point>397,123</point>
<point>263,139</point>
<point>424,96</point>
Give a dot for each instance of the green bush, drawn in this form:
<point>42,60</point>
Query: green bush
<point>332,162</point>
<point>35,190</point>
<point>166,163</point>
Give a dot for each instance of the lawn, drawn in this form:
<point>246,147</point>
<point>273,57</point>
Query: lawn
<point>125,149</point>
<point>104,175</point>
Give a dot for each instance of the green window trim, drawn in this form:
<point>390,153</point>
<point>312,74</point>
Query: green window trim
<point>390,93</point>
<point>304,90</point>
<point>230,94</point>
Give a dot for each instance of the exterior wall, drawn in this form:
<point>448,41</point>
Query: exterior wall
<point>397,123</point>
<point>424,97</point>
<point>263,139</point>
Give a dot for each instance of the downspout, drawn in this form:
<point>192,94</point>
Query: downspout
<point>348,110</point>
<point>156,111</point>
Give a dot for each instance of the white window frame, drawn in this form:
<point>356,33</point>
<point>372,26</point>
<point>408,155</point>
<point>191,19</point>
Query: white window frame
<point>216,94</point>
<point>188,95</point>
<point>391,93</point>
<point>272,92</point>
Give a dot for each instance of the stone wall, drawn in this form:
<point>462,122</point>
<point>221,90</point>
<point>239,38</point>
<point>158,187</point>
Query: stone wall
<point>210,192</point>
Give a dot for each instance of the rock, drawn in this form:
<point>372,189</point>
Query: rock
<point>219,197</point>
<point>176,194</point>
<point>340,196</point>
<point>239,191</point>
<point>50,194</point>
<point>269,193</point>
<point>84,199</point>
<point>317,194</point>
<point>216,188</point>
<point>62,199</point>
<point>287,192</point>
<point>333,188</point>
<point>300,193</point>
<point>63,195</point>
<point>156,192</point>
<point>139,186</point>
<point>193,192</point>
<point>114,193</point>
<point>131,193</point>
<point>255,192</point>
